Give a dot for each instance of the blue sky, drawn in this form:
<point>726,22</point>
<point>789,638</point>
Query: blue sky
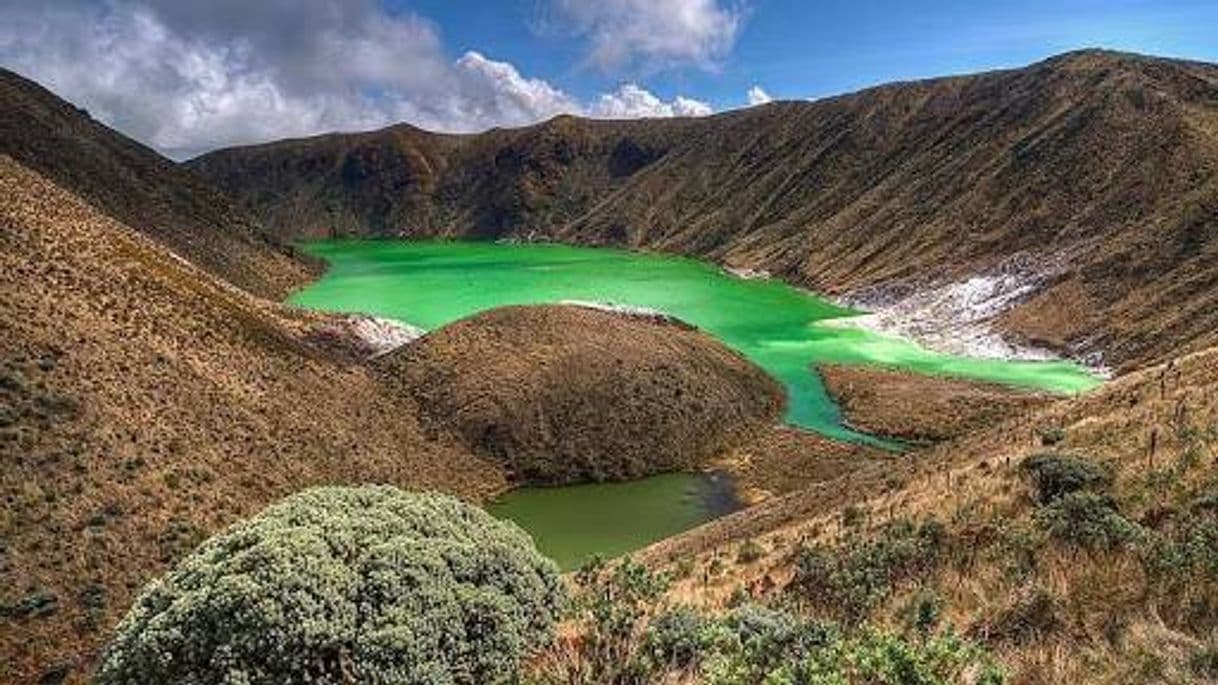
<point>186,76</point>
<point>796,49</point>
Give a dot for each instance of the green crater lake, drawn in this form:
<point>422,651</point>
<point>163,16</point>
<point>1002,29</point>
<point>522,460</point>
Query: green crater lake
<point>782,329</point>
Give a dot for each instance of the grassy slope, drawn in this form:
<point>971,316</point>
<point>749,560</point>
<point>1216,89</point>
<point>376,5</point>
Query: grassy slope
<point>142,189</point>
<point>147,404</point>
<point>1054,611</point>
<point>921,409</point>
<point>569,394</point>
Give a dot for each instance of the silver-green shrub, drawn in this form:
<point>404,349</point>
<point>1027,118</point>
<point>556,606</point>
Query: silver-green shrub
<point>344,585</point>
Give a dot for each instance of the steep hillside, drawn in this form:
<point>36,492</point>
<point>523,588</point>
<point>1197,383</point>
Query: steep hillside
<point>142,189</point>
<point>405,181</point>
<point>1093,175</point>
<point>1077,540</point>
<point>145,404</point>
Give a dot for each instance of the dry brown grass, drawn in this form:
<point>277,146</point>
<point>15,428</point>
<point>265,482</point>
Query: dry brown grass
<point>921,409</point>
<point>566,394</point>
<point>1099,617</point>
<point>141,189</point>
<point>147,405</point>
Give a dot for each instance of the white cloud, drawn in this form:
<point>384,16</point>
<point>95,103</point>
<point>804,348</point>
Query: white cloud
<point>495,91</point>
<point>189,77</point>
<point>653,33</point>
<point>757,96</point>
<point>632,101</point>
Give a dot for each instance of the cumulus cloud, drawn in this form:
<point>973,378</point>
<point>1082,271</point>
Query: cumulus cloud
<point>631,101</point>
<point>495,91</point>
<point>757,96</point>
<point>653,33</point>
<point>187,77</point>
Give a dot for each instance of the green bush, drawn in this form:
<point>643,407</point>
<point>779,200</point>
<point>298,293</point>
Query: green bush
<point>924,612</point>
<point>340,585</point>
<point>744,645</point>
<point>611,605</point>
<point>762,639</point>
<point>1204,663</point>
<point>851,578</point>
<point>1089,520</point>
<point>1055,475</point>
<point>1050,435</point>
<point>755,644</point>
<point>749,551</point>
<point>1190,552</point>
<point>676,639</point>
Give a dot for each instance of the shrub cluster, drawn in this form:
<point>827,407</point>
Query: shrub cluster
<point>851,578</point>
<point>1055,475</point>
<point>1182,565</point>
<point>1050,435</point>
<point>1088,520</point>
<point>749,552</point>
<point>611,608</point>
<point>754,644</point>
<point>1191,551</point>
<point>628,638</point>
<point>341,585</point>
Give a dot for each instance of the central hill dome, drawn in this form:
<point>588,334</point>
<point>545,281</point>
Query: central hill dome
<point>562,393</point>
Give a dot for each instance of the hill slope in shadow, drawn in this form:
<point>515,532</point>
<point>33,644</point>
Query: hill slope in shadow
<point>142,189</point>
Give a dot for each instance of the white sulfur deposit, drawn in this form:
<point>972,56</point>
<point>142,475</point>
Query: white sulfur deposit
<point>627,309</point>
<point>382,336</point>
<point>956,317</point>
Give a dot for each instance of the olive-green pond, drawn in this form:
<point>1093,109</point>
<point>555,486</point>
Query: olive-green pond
<point>782,329</point>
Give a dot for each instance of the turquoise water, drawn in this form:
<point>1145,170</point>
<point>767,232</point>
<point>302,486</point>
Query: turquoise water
<point>782,329</point>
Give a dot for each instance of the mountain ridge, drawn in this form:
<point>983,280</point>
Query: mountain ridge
<point>1099,169</point>
<point>139,187</point>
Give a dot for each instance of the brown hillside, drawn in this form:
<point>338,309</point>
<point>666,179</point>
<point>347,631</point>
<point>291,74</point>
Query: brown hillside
<point>1099,167</point>
<point>1054,604</point>
<point>405,181</point>
<point>142,189</point>
<point>918,408</point>
<point>567,393</point>
<point>144,405</point>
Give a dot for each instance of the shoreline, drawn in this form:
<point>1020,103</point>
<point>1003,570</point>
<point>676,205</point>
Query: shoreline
<point>958,316</point>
